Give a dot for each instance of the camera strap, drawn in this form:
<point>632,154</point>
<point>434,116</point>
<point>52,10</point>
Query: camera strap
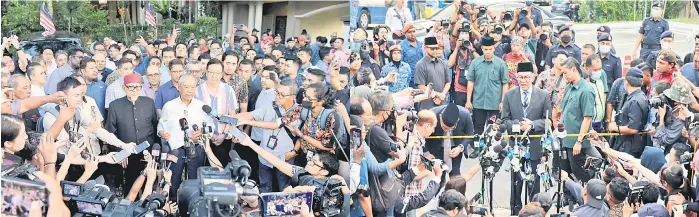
<point>279,114</point>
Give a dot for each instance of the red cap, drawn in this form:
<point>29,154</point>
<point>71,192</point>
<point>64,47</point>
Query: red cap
<point>132,78</point>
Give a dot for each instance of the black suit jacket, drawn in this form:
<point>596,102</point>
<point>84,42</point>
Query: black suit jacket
<point>539,108</point>
<point>463,128</point>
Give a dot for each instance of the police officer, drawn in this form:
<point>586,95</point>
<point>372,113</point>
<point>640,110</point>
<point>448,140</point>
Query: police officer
<point>291,49</point>
<point>566,43</point>
<point>605,30</point>
<point>611,64</point>
<point>651,29</point>
<point>666,40</point>
<point>633,116</point>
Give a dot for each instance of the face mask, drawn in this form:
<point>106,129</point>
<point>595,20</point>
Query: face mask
<point>656,13</point>
<point>604,49</point>
<point>566,39</point>
<point>596,75</point>
<point>307,104</point>
<point>665,46</point>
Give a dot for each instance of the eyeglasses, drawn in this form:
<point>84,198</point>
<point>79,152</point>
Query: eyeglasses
<point>318,165</point>
<point>154,75</point>
<point>132,88</point>
<point>280,95</point>
<point>195,71</point>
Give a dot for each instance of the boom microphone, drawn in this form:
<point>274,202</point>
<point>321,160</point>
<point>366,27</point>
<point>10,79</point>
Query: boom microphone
<point>207,109</point>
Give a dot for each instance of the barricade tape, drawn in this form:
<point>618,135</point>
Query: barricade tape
<point>523,136</point>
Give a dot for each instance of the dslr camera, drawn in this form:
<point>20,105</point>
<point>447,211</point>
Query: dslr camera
<point>658,101</point>
<point>544,36</point>
<point>481,11</point>
<point>524,12</point>
<point>508,15</point>
<point>465,27</point>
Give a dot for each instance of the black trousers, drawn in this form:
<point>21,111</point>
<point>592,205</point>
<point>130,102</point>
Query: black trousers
<point>459,98</point>
<point>518,186</point>
<point>247,154</point>
<point>221,151</point>
<point>574,164</point>
<point>480,118</point>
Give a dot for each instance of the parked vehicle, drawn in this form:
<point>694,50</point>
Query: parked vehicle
<point>573,12</point>
<point>558,6</point>
<point>33,43</point>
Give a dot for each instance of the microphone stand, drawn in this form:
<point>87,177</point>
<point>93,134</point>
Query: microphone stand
<point>562,156</point>
<point>484,149</point>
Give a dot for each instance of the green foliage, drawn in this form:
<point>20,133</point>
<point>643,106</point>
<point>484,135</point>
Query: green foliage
<point>79,17</point>
<point>21,18</point>
<point>625,10</point>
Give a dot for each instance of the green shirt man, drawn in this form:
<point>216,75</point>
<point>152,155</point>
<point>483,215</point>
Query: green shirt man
<point>488,78</point>
<point>578,103</point>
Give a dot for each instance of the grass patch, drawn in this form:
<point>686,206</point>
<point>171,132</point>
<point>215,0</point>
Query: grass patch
<point>686,20</point>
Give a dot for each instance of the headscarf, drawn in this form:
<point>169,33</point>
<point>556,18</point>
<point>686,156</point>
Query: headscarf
<point>653,158</point>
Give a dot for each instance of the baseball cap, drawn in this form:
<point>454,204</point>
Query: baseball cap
<point>653,210</point>
<point>634,72</point>
<point>596,190</point>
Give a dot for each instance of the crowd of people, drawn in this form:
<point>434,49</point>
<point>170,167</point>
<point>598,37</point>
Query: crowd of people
<point>281,105</point>
<point>424,103</point>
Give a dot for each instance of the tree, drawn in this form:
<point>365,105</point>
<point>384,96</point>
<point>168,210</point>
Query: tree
<point>21,18</point>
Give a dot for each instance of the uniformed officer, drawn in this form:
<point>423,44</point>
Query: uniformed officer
<point>611,64</point>
<point>605,30</point>
<point>566,43</point>
<point>651,29</point>
<point>291,49</point>
<point>633,116</point>
<point>666,40</point>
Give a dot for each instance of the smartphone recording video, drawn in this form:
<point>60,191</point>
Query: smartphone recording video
<point>19,194</point>
<point>356,137</point>
<point>285,204</point>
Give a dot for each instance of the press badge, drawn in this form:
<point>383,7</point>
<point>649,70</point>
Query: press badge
<point>272,142</point>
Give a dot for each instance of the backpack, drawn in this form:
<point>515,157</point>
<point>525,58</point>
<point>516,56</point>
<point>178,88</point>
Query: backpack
<point>340,133</point>
<point>53,110</point>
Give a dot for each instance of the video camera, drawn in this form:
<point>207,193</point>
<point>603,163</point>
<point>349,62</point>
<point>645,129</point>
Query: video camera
<point>219,193</point>
<point>636,194</point>
<point>91,198</point>
<point>328,199</point>
<point>153,204</point>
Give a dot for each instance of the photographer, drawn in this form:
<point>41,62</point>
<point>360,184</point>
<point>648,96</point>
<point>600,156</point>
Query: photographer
<point>633,116</point>
<point>672,116</point>
<point>452,203</point>
<point>617,191</point>
<point>591,197</point>
<point>459,61</point>
<point>644,201</point>
<point>545,40</point>
<point>528,14</point>
<point>673,180</point>
<point>565,34</point>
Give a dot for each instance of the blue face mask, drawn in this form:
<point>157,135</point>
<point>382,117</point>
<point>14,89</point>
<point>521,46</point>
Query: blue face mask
<point>596,75</point>
<point>605,49</point>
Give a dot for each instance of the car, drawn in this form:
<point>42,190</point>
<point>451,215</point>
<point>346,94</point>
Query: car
<point>423,26</point>
<point>559,6</point>
<point>60,40</point>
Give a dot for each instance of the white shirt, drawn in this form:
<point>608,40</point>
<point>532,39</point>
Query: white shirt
<point>86,119</point>
<point>396,23</point>
<point>38,91</point>
<point>50,69</point>
<point>173,111</point>
<point>110,65</point>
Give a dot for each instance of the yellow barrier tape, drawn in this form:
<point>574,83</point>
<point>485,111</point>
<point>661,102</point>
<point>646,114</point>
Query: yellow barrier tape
<point>522,136</point>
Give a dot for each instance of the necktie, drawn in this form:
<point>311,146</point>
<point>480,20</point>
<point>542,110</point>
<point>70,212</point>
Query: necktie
<point>525,103</point>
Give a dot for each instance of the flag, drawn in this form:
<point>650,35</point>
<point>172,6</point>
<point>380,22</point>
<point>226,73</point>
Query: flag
<point>46,20</point>
<point>150,16</point>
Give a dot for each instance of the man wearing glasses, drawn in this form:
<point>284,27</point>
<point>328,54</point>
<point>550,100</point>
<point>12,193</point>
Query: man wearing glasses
<point>74,57</point>
<point>115,90</point>
<point>277,141</point>
<point>152,81</point>
<point>523,106</point>
<point>133,119</point>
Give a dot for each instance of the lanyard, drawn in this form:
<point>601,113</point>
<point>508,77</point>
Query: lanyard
<point>315,123</point>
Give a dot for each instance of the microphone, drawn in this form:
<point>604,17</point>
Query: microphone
<point>184,125</point>
<point>210,112</point>
<point>163,155</point>
<point>155,151</point>
<point>561,131</point>
<point>172,157</point>
<point>239,167</point>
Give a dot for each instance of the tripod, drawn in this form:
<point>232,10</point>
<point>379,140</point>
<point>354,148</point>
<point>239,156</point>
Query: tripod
<point>487,176</point>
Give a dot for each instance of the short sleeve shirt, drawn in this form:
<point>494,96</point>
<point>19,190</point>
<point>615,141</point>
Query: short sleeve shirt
<point>579,102</point>
<point>488,78</point>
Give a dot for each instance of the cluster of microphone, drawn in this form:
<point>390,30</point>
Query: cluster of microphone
<point>164,155</point>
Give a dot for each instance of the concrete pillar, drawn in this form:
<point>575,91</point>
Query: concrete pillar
<point>232,9</point>
<point>251,15</point>
<point>258,15</point>
<point>134,12</point>
<point>291,19</point>
<point>224,19</point>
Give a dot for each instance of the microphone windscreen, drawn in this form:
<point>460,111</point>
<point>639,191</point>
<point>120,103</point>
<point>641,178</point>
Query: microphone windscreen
<point>165,149</point>
<point>183,122</point>
<point>502,129</point>
<point>497,148</point>
<point>206,109</point>
<point>195,127</point>
<point>561,127</point>
<point>156,146</point>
